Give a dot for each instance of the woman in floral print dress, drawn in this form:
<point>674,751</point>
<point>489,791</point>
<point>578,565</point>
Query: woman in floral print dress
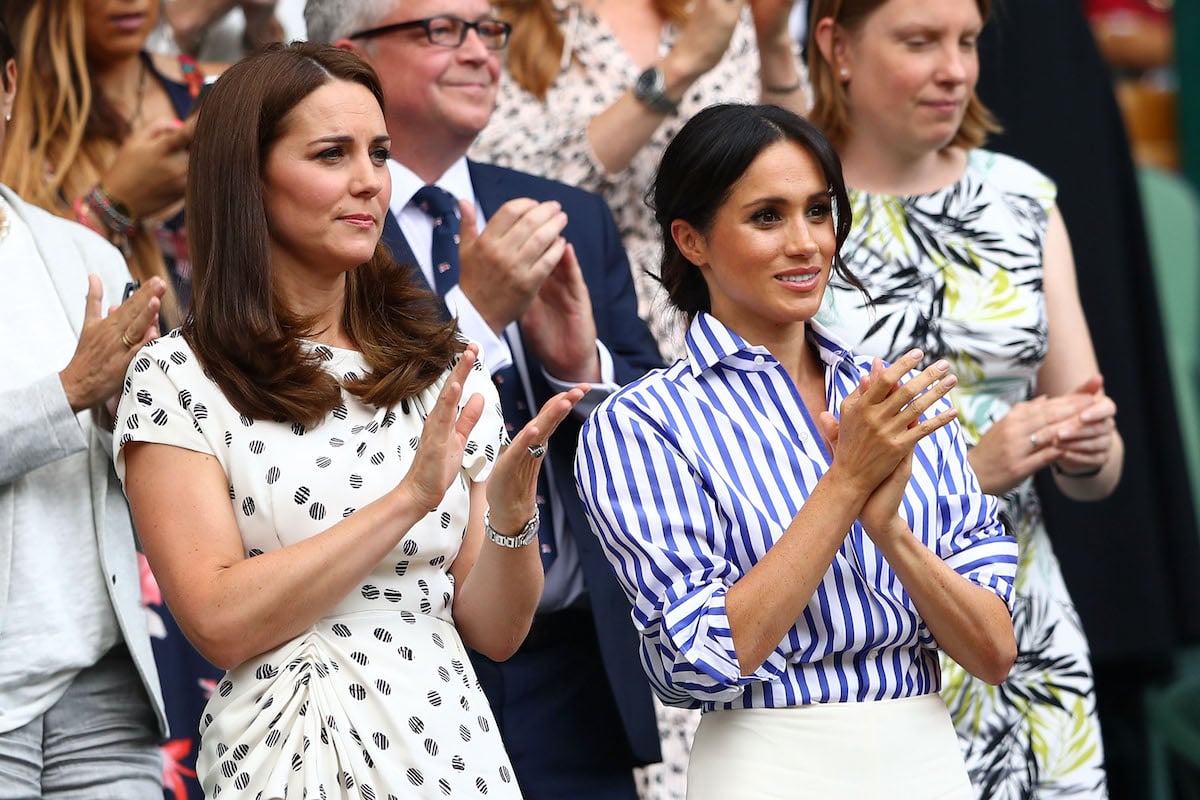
<point>965,256</point>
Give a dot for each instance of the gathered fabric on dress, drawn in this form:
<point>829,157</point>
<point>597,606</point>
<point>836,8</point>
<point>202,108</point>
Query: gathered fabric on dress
<point>958,273</point>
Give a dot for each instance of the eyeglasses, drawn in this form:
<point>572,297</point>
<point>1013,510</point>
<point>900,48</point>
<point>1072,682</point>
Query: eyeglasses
<point>447,31</point>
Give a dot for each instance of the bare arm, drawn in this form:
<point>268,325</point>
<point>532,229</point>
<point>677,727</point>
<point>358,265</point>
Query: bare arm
<point>1072,424</point>
<point>621,130</point>
<point>1089,440</point>
<point>232,607</point>
<point>498,588</point>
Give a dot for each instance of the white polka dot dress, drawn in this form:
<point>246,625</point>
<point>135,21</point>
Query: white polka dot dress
<point>378,700</point>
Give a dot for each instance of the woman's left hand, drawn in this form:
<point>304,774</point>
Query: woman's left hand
<point>512,487</point>
<point>1086,439</point>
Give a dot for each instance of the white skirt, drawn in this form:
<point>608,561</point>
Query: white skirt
<point>889,749</point>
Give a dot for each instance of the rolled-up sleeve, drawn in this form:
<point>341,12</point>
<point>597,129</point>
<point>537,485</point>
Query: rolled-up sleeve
<point>973,541</point>
<point>664,534</point>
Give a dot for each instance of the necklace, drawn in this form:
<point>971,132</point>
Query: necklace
<point>141,93</point>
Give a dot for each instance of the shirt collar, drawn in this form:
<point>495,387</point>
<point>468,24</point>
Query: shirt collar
<point>405,183</point>
<point>709,342</point>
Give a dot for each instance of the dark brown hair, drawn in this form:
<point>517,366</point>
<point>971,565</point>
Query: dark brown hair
<point>699,169</point>
<point>241,331</point>
<point>829,112</point>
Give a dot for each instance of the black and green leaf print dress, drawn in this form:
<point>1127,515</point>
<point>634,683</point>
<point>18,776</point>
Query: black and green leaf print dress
<point>958,273</point>
<point>377,700</point>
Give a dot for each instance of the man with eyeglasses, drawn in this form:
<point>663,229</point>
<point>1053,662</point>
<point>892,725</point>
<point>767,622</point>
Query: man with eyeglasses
<point>533,270</point>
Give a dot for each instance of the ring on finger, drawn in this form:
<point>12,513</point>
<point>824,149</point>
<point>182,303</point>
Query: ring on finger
<point>537,450</point>
<point>1033,441</point>
<point>125,340</point>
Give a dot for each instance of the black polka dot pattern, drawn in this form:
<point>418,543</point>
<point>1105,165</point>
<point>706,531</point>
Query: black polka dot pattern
<point>333,695</point>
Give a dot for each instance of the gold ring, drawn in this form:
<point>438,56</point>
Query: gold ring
<point>537,450</point>
<point>125,341</point>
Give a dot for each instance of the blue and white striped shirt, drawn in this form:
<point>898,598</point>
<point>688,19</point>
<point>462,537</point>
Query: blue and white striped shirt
<point>690,474</point>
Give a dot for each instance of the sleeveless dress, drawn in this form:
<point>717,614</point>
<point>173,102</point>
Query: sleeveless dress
<point>958,273</point>
<point>378,699</point>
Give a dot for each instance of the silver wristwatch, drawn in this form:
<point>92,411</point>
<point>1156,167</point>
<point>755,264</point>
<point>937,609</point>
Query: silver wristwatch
<point>520,539</point>
<point>649,88</point>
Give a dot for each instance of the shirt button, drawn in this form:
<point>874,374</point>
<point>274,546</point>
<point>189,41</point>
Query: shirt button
<point>759,360</point>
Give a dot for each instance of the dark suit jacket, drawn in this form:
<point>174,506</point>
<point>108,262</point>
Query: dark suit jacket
<point>592,231</point>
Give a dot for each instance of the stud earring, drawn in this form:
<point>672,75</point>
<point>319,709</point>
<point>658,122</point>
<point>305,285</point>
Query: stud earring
<point>844,74</point>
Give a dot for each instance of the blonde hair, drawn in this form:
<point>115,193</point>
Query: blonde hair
<point>830,112</point>
<point>535,49</point>
<point>60,140</point>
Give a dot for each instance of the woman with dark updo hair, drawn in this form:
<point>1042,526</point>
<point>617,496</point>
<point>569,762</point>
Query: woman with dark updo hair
<point>797,527</point>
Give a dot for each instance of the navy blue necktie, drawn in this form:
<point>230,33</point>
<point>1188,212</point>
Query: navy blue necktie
<point>443,208</point>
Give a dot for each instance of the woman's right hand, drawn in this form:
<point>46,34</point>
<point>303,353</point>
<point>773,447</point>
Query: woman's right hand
<point>439,455</point>
<point>107,344</point>
<point>149,172</point>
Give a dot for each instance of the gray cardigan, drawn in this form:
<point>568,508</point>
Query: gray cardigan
<point>38,427</point>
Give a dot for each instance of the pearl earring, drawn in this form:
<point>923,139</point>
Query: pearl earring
<point>844,74</point>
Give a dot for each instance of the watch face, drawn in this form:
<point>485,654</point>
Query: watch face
<point>646,82</point>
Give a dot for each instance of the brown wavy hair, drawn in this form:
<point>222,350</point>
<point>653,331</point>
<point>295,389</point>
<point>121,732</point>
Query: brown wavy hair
<point>64,134</point>
<point>247,339</point>
<point>829,111</point>
<point>534,55</point>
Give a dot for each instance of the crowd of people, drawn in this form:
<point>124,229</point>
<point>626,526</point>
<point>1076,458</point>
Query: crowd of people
<point>614,399</point>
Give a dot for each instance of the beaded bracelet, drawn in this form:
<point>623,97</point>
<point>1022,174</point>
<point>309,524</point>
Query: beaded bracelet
<point>114,216</point>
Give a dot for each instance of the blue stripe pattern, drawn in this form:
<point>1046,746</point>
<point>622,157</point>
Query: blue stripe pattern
<point>690,474</point>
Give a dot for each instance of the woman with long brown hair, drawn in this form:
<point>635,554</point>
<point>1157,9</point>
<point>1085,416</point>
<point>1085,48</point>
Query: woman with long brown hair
<point>318,466</point>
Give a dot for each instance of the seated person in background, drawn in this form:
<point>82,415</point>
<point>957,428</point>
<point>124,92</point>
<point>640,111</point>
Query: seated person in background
<point>797,527</point>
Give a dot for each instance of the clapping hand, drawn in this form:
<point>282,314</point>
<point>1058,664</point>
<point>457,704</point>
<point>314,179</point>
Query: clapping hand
<point>873,442</point>
<point>439,455</point>
<point>1086,439</point>
<point>512,488</point>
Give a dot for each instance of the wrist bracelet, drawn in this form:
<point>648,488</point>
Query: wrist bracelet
<point>115,218</point>
<point>795,87</point>
<point>521,538</point>
<point>1087,473</point>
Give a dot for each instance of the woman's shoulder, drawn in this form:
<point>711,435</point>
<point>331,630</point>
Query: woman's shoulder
<point>1011,175</point>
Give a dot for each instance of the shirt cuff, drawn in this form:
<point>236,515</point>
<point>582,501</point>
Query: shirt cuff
<point>599,391</point>
<point>493,349</point>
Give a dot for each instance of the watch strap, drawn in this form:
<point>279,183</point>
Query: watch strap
<point>521,538</point>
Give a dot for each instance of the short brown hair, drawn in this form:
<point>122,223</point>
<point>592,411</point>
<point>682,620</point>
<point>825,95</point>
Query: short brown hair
<point>246,338</point>
<point>829,96</point>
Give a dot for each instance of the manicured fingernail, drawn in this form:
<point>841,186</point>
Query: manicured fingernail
<point>942,366</point>
<point>950,380</point>
<point>914,353</point>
